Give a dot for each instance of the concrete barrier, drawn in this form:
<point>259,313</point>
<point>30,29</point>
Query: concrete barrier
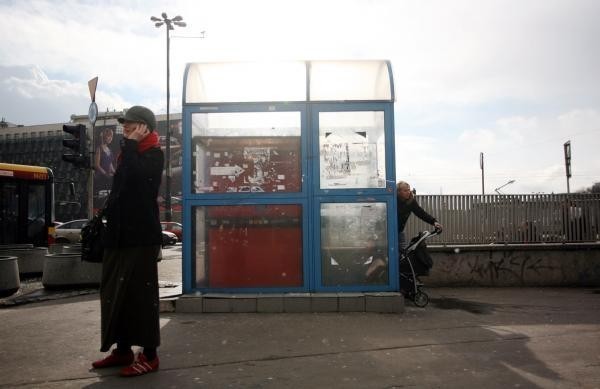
<point>65,248</point>
<point>9,276</point>
<point>515,265</point>
<point>31,259</point>
<point>68,271</point>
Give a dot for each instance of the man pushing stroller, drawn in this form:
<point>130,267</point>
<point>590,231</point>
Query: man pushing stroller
<point>414,260</point>
<point>407,204</point>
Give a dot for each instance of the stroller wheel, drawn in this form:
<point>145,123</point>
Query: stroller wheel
<point>421,299</point>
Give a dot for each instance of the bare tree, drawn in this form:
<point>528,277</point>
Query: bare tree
<point>595,188</point>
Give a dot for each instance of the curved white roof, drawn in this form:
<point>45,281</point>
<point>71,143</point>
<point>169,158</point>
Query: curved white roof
<point>299,81</point>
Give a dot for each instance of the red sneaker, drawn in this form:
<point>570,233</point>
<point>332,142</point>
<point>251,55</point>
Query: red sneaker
<point>114,359</point>
<point>140,366</point>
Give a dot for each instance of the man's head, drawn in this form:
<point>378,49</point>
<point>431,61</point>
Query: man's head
<point>139,114</point>
<point>403,190</point>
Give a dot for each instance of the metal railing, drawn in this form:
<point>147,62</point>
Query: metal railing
<point>511,219</point>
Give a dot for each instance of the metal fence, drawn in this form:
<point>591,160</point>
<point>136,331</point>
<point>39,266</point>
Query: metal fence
<point>536,218</point>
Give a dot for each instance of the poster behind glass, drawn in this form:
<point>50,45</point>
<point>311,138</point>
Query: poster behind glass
<point>246,152</point>
<point>243,246</point>
<point>107,140</point>
<point>352,150</point>
<point>354,245</point>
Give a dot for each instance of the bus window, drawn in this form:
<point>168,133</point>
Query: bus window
<point>26,204</point>
<point>9,209</point>
<point>36,215</point>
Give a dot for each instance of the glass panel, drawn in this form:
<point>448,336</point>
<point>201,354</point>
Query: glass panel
<point>246,152</point>
<point>352,150</point>
<point>349,80</point>
<point>36,214</point>
<point>245,82</point>
<point>9,212</point>
<point>248,246</point>
<point>354,244</point>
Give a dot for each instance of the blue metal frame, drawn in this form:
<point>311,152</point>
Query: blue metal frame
<point>392,238</point>
<point>188,241</point>
<point>355,195</point>
<point>310,198</point>
<point>388,111</point>
<point>191,200</point>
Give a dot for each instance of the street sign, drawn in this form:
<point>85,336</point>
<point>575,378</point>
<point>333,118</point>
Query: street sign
<point>93,113</point>
<point>92,84</point>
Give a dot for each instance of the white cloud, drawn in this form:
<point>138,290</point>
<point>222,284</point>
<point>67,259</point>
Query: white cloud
<point>512,79</point>
<point>526,149</point>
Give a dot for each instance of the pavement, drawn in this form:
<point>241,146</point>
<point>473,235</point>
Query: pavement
<point>465,337</point>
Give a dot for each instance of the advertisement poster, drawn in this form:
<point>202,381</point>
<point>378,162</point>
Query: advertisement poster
<point>107,140</point>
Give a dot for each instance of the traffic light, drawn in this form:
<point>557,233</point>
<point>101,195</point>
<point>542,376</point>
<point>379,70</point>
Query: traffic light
<point>78,143</point>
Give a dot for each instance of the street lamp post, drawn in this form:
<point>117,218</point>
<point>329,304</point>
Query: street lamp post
<point>502,186</point>
<point>169,23</point>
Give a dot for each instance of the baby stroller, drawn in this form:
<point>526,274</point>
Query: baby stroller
<point>414,262</point>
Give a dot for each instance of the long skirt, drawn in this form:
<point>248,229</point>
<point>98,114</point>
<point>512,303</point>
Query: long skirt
<point>129,297</point>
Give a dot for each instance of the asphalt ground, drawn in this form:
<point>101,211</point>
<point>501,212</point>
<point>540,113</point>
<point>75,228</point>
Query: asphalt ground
<point>465,337</point>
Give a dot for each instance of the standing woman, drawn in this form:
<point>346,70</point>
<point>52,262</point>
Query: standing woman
<point>129,286</point>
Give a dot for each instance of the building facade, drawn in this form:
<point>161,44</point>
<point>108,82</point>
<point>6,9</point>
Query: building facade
<point>41,145</point>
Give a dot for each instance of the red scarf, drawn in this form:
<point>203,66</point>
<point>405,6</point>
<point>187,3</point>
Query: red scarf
<point>149,142</point>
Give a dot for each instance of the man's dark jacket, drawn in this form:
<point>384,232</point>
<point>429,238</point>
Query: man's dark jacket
<point>405,208</point>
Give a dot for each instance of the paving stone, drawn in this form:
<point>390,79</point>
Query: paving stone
<point>324,302</point>
<point>191,304</point>
<point>269,303</point>
<point>216,304</point>
<point>384,302</point>
<point>296,302</point>
<point>351,302</point>
<point>243,304</point>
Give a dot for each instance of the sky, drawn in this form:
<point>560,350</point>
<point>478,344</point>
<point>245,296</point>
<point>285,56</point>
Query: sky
<point>512,79</point>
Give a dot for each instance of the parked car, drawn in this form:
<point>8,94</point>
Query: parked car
<point>69,232</point>
<point>173,227</point>
<point>168,238</point>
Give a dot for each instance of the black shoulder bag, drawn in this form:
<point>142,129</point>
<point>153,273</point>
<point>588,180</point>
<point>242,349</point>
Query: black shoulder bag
<point>92,235</point>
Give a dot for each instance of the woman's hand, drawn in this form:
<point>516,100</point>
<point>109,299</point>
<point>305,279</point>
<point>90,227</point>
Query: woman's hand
<point>140,132</point>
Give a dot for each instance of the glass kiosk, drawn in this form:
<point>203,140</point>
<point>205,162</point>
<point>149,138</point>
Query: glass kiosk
<point>288,177</point>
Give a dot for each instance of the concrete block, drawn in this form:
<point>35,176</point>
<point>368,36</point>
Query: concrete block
<point>189,304</point>
<point>269,303</point>
<point>166,305</point>
<point>10,281</point>
<point>67,270</point>
<point>31,259</point>
<point>324,302</point>
<point>384,302</point>
<point>216,304</point>
<point>351,302</point>
<point>296,302</point>
<point>247,303</point>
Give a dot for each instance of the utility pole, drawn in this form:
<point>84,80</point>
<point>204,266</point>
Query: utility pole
<point>567,149</point>
<point>482,178</point>
<point>169,25</point>
<point>92,116</point>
